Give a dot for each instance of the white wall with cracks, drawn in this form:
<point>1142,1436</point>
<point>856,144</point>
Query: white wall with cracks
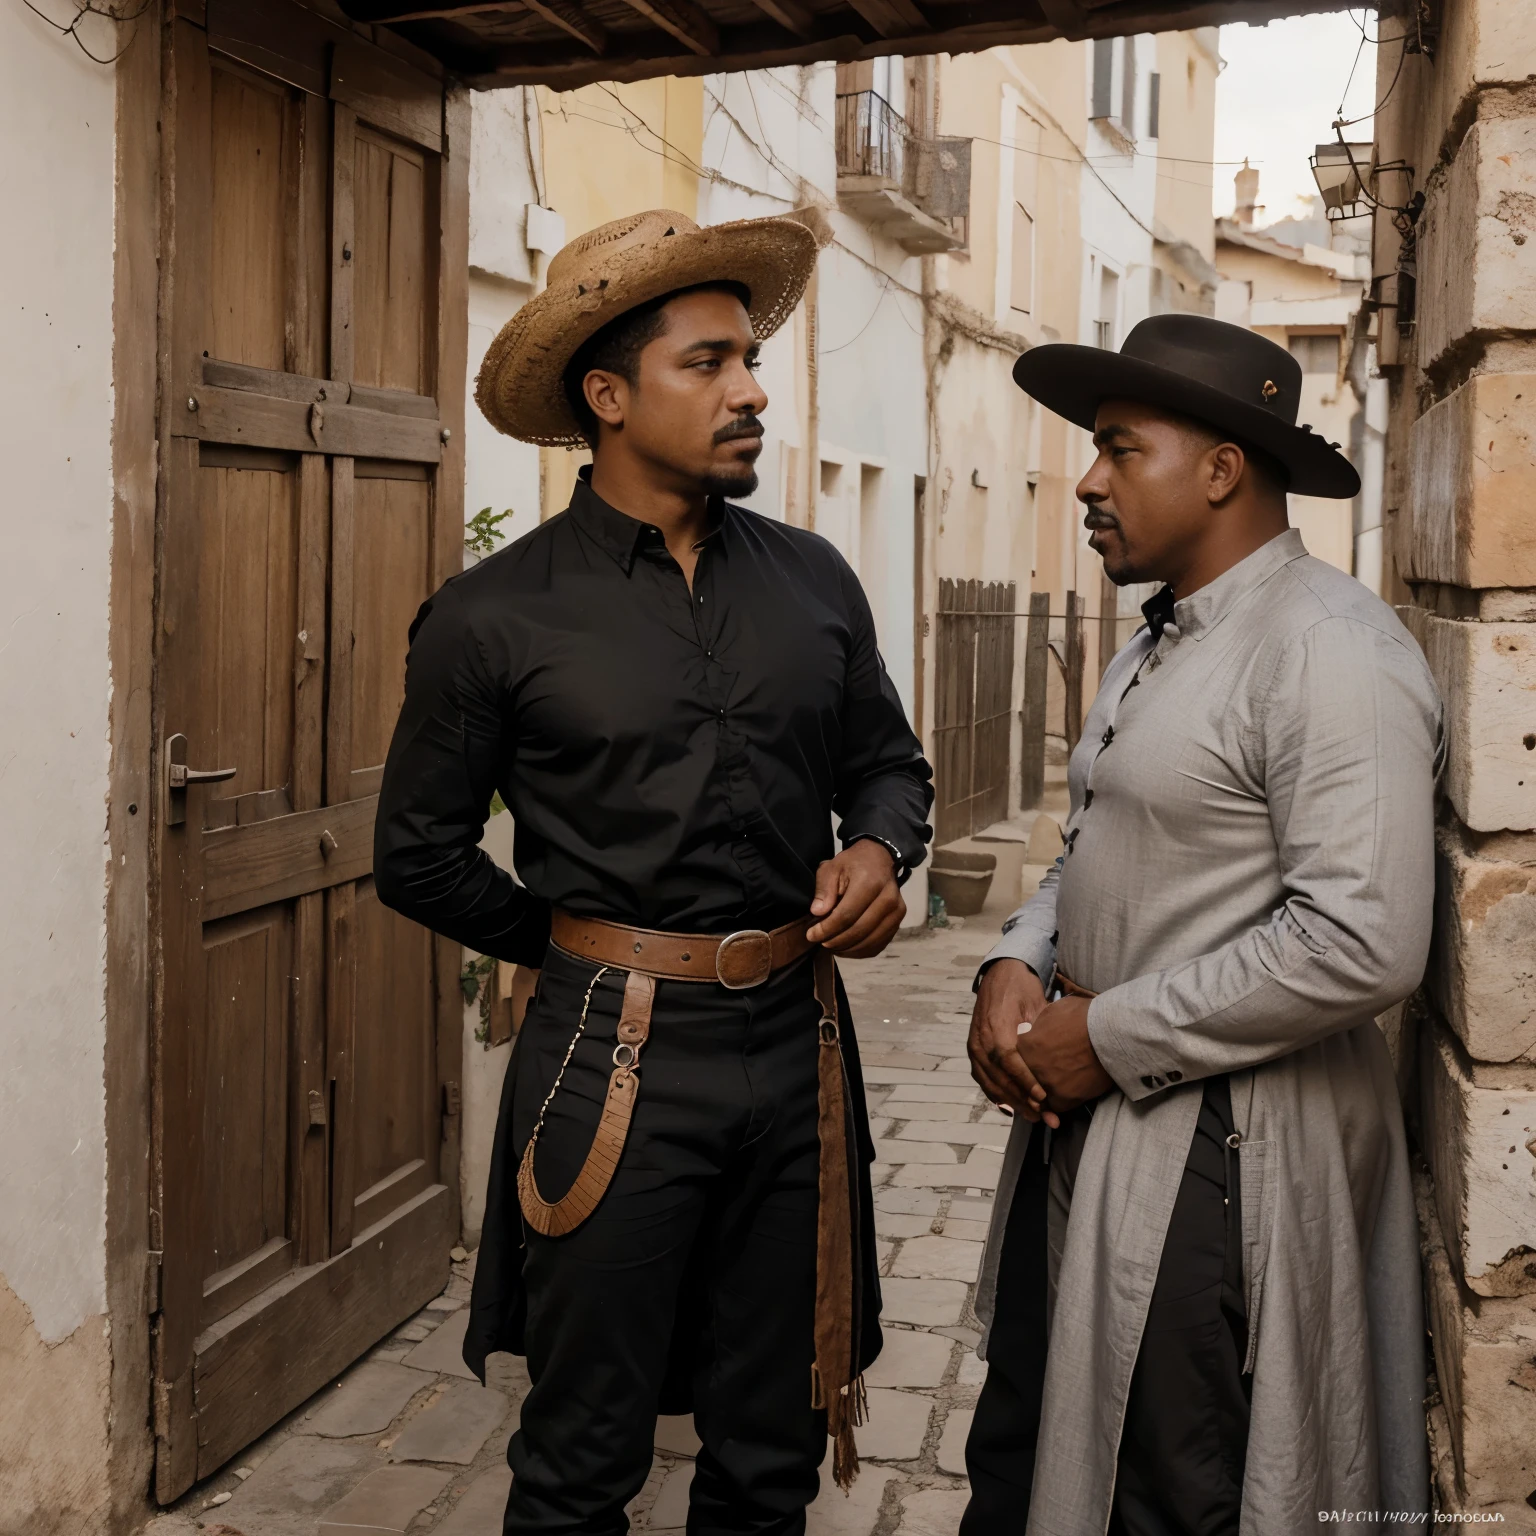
<point>57,118</point>
<point>57,110</point>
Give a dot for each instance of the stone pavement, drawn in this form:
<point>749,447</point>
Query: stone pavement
<point>408,1441</point>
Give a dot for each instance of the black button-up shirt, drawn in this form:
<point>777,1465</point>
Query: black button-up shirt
<point>671,759</point>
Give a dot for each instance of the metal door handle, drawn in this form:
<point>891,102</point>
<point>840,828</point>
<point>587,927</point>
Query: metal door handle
<point>179,778</point>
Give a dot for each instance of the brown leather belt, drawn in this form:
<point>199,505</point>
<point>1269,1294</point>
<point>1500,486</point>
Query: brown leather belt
<point>746,958</point>
<point>1070,987</point>
<point>743,959</point>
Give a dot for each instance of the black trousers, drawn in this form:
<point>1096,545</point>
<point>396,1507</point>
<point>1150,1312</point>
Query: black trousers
<point>702,1252</point>
<point>1185,1434</point>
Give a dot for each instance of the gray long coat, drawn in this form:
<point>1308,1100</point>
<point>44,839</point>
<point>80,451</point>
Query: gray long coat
<point>1248,883</point>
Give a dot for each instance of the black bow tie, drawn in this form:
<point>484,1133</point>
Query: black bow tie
<point>1158,610</point>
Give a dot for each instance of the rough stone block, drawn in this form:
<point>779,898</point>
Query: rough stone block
<point>1480,1140</point>
<point>890,1224</point>
<point>933,1512</point>
<point>928,1093</point>
<point>938,1258</point>
<point>835,1513</point>
<point>454,1428</point>
<point>289,1490</point>
<point>443,1349</point>
<point>979,1133</point>
<point>670,1511</point>
<point>910,1359</point>
<point>481,1508</point>
<point>892,1150</point>
<point>1485,1360</point>
<point>928,1303</point>
<point>1473,486</point>
<point>957,1429</point>
<point>384,1503</point>
<point>897,1423</point>
<point>1477,254</point>
<point>365,1401</point>
<point>1487,677</point>
<point>914,1202</point>
<point>1483,966</point>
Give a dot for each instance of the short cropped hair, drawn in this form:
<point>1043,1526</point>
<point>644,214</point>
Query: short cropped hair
<point>1272,474</point>
<point>617,348</point>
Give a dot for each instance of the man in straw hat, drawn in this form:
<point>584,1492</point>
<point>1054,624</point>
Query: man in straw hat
<point>674,696</point>
<point>1206,1194</point>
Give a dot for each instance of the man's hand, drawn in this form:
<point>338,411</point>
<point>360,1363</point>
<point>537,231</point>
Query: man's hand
<point>857,901</point>
<point>1057,1050</point>
<point>1009,999</point>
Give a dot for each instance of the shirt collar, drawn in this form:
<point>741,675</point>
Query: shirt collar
<point>621,535</point>
<point>1202,611</point>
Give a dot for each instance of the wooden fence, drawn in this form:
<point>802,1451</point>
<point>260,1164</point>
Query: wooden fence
<point>973,706</point>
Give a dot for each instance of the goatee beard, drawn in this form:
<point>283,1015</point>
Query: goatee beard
<point>741,481</point>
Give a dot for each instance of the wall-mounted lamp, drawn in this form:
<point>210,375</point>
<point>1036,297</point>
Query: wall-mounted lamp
<point>1340,171</point>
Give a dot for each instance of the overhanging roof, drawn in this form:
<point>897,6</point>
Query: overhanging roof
<point>567,43</point>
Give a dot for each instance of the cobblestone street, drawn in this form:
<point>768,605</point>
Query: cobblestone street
<point>408,1441</point>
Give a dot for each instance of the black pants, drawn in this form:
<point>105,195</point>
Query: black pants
<point>703,1250</point>
<point>1185,1435</point>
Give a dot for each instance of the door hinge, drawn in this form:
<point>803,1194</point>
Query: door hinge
<point>152,1271</point>
<point>450,1101</point>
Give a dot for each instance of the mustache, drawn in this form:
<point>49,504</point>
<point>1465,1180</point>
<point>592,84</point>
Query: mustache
<point>743,426</point>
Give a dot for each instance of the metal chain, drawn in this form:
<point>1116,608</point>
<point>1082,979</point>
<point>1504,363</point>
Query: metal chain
<point>570,1051</point>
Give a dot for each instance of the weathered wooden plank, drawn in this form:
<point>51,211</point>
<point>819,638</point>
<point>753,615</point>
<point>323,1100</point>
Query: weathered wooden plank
<point>571,18</point>
<point>892,18</point>
<point>790,15</point>
<point>391,1192</point>
<point>298,386</point>
<point>1074,670</point>
<point>341,1024</point>
<point>684,21</point>
<point>388,93</point>
<point>266,861</point>
<point>231,1288</point>
<point>1036,678</point>
<point>267,421</point>
<point>249,1372</point>
<point>343,233</point>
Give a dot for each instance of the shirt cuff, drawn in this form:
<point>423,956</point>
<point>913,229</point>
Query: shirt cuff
<point>1024,943</point>
<point>1138,1069</point>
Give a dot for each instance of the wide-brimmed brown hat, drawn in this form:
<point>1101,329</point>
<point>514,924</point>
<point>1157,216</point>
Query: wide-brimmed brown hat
<point>614,268</point>
<point>1232,378</point>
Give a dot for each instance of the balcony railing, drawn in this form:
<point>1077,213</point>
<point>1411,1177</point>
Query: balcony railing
<point>919,188</point>
<point>871,137</point>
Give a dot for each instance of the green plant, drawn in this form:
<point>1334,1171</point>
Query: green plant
<point>482,533</point>
<point>473,978</point>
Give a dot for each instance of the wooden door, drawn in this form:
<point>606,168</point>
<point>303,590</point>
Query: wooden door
<point>306,1158</point>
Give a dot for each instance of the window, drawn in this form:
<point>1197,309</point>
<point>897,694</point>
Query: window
<point>1128,87</point>
<point>1317,354</point>
<point>1103,76</point>
<point>1109,309</point>
<point>1154,104</point>
<point>1026,173</point>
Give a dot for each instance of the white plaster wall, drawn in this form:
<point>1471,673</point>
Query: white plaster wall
<point>501,473</point>
<point>56,186</point>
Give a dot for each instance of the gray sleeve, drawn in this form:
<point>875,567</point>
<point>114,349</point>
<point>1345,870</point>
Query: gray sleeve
<point>1030,934</point>
<point>1350,735</point>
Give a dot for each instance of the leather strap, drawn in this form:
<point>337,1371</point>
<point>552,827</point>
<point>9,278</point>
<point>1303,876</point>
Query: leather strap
<point>602,1161</point>
<point>1070,987</point>
<point>836,1384</point>
<point>743,959</point>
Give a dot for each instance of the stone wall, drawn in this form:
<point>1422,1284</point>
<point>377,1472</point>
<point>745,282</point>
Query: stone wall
<point>1461,503</point>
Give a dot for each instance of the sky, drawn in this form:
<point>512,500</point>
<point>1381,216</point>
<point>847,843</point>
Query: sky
<point>1277,98</point>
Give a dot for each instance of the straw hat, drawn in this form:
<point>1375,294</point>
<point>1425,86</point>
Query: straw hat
<point>614,268</point>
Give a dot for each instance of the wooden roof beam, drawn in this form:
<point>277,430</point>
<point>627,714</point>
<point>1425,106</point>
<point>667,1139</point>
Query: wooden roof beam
<point>684,21</point>
<point>892,18</point>
<point>570,17</point>
<point>789,14</point>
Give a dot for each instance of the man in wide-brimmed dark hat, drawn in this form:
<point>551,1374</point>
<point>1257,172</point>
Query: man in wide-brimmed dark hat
<point>1206,1195</point>
<point>674,696</point>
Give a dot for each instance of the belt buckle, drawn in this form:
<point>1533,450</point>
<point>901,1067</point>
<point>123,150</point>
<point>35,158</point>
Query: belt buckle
<point>747,947</point>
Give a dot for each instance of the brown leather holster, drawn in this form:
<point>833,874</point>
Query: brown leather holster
<point>739,960</point>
